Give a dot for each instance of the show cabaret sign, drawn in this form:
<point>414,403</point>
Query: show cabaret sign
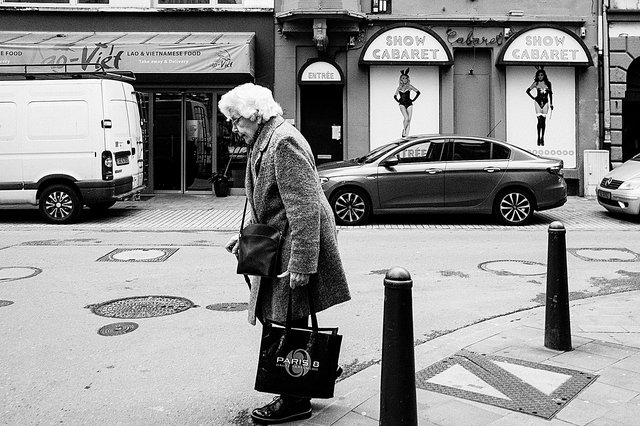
<point>140,58</point>
<point>405,44</point>
<point>546,45</point>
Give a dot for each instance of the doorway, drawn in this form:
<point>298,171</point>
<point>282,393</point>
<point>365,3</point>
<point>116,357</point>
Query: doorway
<point>472,92</point>
<point>181,141</point>
<point>630,112</point>
<point>321,120</point>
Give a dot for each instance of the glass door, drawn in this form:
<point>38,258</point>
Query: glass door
<point>181,141</point>
<point>198,141</point>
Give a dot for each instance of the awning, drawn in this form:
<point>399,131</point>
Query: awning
<point>545,45</point>
<point>161,53</point>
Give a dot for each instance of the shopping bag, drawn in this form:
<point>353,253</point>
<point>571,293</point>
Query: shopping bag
<point>300,362</point>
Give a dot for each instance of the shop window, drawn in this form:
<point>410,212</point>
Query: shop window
<point>211,2</point>
<point>37,1</point>
<point>381,6</point>
<point>183,1</point>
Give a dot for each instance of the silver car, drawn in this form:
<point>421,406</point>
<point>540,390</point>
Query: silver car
<point>619,191</point>
<point>444,174</point>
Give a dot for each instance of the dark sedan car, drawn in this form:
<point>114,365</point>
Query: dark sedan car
<point>444,174</point>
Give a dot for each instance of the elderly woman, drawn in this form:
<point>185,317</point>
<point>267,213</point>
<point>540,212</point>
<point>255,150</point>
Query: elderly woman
<point>283,190</point>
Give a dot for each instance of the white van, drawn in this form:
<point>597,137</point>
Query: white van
<point>69,142</point>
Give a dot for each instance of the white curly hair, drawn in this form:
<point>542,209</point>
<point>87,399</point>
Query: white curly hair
<point>250,101</point>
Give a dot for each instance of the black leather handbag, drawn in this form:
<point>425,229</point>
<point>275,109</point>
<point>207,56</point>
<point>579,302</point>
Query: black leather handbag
<point>258,249</point>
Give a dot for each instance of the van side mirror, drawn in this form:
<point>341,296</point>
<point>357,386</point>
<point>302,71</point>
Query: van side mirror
<point>390,162</point>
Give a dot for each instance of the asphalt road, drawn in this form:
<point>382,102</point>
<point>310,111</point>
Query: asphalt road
<point>198,366</point>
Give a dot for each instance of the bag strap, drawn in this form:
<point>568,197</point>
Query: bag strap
<point>244,212</point>
<point>314,318</point>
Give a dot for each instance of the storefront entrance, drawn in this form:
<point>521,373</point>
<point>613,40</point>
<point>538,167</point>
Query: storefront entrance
<point>321,120</point>
<point>181,138</point>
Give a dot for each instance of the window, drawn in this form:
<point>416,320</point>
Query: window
<point>183,2</point>
<point>212,2</point>
<point>500,152</point>
<point>421,152</point>
<point>478,151</point>
<point>36,1</point>
<point>381,6</point>
<point>470,151</point>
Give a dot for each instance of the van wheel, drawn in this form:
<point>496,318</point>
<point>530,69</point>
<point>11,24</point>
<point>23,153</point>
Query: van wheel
<point>101,206</point>
<point>59,204</point>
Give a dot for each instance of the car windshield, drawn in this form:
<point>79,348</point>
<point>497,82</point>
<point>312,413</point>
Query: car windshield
<point>377,153</point>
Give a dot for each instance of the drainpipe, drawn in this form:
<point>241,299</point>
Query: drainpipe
<point>603,49</point>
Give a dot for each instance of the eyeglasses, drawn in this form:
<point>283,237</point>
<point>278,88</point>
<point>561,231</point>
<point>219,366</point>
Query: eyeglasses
<point>234,121</point>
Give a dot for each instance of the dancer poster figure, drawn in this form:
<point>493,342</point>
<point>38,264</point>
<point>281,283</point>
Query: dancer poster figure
<point>542,95</point>
<point>403,98</point>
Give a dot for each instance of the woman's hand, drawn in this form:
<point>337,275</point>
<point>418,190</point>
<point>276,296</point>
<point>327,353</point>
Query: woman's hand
<point>297,280</point>
<point>232,245</point>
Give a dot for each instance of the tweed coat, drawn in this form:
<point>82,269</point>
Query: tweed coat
<point>284,191</point>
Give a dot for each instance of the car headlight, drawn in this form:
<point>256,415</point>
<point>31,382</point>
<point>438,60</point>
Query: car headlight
<point>323,180</point>
<point>630,184</point>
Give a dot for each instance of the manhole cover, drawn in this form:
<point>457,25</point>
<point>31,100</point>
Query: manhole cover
<point>142,307</point>
<point>138,255</point>
<point>117,329</point>
<point>228,307</point>
<point>523,386</point>
<point>4,303</point>
<point>12,273</point>
<point>514,267</point>
<point>605,254</point>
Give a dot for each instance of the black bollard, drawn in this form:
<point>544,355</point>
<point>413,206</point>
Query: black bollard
<point>557,327</point>
<point>398,378</point>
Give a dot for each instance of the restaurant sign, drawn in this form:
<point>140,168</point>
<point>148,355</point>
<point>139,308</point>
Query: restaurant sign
<point>545,46</point>
<point>139,58</point>
<point>406,44</point>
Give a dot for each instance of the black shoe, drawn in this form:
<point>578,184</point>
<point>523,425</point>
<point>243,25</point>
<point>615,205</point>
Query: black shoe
<point>282,409</point>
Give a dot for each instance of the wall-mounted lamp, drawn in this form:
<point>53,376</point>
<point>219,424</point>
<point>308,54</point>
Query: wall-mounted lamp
<point>583,32</point>
<point>507,32</point>
<point>320,34</point>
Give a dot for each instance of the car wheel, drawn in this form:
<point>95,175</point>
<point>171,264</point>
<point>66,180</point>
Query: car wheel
<point>101,206</point>
<point>514,207</point>
<point>351,207</point>
<point>59,204</point>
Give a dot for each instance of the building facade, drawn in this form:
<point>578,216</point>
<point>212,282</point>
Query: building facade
<point>184,54</point>
<point>621,94</point>
<point>338,65</point>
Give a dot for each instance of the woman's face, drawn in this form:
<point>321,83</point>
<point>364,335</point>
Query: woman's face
<point>244,127</point>
<point>540,76</point>
<point>404,79</point>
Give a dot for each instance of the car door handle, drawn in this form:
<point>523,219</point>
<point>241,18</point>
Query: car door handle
<point>491,169</point>
<point>433,171</point>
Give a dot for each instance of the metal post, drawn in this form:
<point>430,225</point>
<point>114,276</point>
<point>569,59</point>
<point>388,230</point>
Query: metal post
<point>557,327</point>
<point>398,378</point>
